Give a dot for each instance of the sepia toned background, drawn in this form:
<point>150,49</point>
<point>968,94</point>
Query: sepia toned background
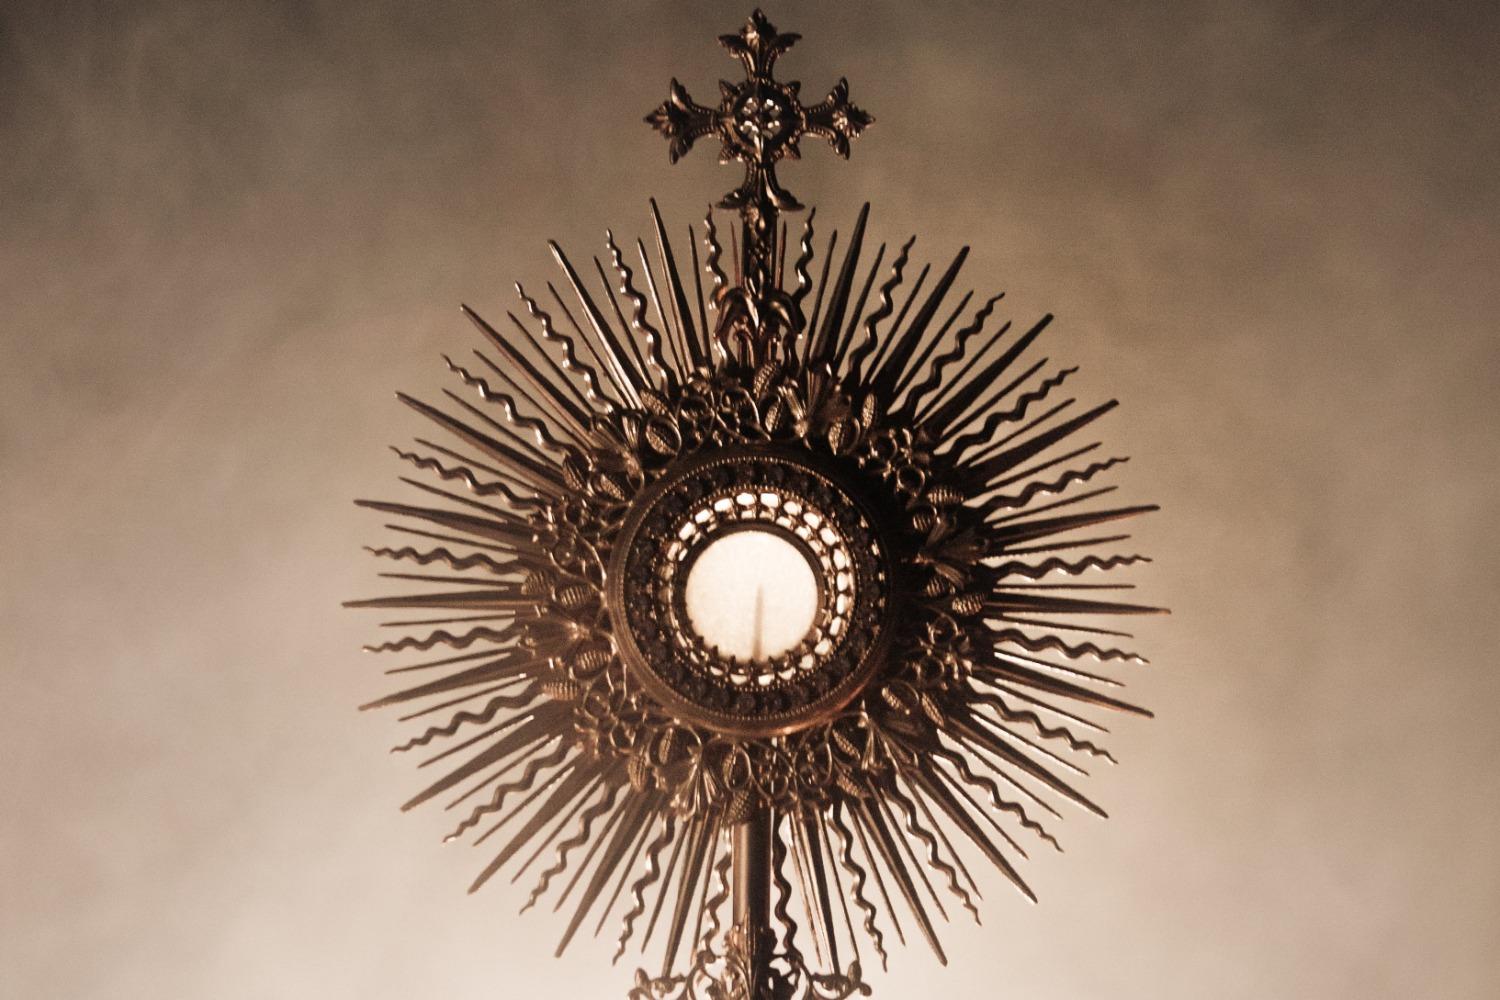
<point>229,231</point>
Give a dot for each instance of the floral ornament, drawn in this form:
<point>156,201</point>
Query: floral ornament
<point>759,122</point>
<point>941,494</point>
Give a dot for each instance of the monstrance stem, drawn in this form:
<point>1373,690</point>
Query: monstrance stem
<point>752,895</point>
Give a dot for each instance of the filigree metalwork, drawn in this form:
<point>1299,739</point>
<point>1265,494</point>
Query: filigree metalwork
<point>697,505</point>
<point>942,494</point>
<point>759,122</point>
<point>732,976</point>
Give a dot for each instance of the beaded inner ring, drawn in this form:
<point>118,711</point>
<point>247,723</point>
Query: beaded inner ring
<point>699,502</point>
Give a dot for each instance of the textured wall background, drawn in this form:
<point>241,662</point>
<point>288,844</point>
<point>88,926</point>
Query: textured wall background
<point>228,231</point>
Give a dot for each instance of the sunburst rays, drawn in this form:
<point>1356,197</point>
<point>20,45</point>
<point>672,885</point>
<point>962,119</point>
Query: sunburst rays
<point>971,733</point>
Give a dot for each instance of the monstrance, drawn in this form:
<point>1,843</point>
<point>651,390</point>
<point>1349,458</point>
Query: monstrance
<point>654,455</point>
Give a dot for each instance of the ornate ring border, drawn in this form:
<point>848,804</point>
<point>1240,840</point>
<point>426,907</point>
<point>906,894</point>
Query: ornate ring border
<point>825,707</point>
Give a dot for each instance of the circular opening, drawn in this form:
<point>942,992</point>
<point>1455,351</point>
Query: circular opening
<point>752,594</point>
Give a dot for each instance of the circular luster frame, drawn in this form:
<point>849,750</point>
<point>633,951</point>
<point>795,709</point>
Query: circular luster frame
<point>751,489</point>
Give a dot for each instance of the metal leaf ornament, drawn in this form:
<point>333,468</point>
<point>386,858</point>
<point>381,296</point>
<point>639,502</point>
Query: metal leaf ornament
<point>766,823</point>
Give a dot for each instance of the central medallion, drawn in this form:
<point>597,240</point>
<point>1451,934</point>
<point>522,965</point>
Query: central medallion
<point>685,514</point>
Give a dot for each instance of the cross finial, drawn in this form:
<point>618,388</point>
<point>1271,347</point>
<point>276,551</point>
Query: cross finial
<point>758,122</point>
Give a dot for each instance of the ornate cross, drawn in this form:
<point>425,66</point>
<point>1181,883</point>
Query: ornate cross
<point>759,121</point>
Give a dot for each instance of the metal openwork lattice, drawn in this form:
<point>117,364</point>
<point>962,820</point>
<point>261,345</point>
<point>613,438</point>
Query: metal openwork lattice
<point>903,442</point>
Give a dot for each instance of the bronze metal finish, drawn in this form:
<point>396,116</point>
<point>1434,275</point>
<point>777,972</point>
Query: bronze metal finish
<point>767,822</point>
<point>801,688</point>
<point>759,122</point>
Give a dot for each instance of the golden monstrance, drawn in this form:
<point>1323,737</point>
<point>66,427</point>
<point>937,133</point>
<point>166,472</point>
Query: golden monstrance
<point>747,616</point>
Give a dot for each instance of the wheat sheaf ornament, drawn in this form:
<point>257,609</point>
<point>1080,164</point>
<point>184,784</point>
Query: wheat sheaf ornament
<point>765,820</point>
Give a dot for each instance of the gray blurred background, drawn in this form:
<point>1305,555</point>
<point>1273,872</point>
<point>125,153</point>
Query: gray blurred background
<point>229,231</point>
